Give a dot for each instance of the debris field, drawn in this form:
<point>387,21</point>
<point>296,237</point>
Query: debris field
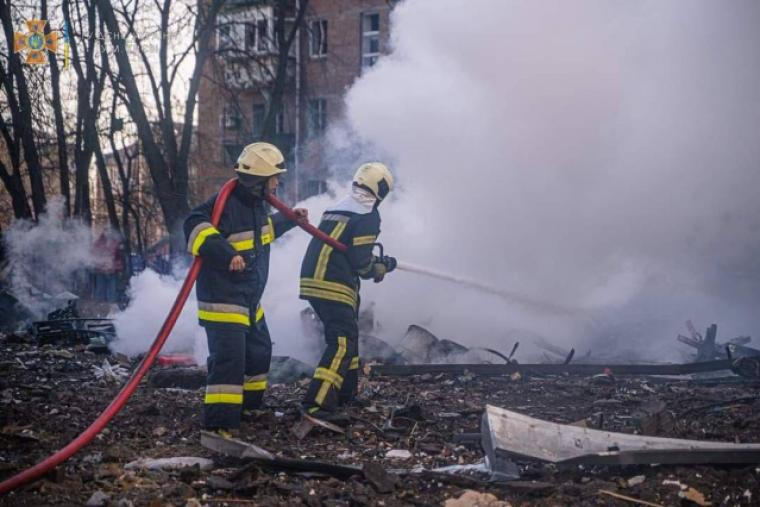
<point>405,429</point>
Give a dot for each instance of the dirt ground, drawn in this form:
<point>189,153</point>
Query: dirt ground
<point>49,394</point>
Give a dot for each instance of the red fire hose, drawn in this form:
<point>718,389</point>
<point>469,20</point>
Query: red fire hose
<point>306,226</point>
<point>118,403</point>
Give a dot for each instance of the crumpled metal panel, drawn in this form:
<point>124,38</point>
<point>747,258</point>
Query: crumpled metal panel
<point>507,434</point>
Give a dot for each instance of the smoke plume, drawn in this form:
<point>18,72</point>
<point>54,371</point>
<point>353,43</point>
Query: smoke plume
<point>600,156</point>
<point>46,258</point>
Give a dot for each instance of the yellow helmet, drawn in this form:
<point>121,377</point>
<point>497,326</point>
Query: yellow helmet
<point>260,159</point>
<point>375,177</point>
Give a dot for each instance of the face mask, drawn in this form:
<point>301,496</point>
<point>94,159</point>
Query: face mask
<point>255,185</point>
<point>363,197</point>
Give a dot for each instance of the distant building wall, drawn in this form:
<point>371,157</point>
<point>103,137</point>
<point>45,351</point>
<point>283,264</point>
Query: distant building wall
<point>338,39</point>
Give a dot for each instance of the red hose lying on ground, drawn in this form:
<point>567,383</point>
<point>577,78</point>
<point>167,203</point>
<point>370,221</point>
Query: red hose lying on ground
<point>116,405</point>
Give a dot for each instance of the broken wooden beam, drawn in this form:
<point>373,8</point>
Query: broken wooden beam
<point>398,370</point>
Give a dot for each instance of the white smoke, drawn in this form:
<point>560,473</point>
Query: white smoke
<point>48,257</point>
<point>152,295</point>
<point>592,154</point>
<point>595,154</point>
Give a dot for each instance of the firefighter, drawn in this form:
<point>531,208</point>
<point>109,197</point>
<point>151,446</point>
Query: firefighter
<point>330,283</point>
<point>230,284</point>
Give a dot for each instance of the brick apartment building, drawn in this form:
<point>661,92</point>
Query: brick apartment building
<point>336,41</point>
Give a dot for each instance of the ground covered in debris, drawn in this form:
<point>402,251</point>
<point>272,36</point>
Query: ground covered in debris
<point>49,394</point>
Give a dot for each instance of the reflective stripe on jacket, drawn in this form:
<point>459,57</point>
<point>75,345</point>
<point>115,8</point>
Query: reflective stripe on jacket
<point>246,229</point>
<point>331,275</point>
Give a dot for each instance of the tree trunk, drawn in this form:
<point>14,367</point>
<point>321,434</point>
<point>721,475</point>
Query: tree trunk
<point>60,133</point>
<point>105,181</point>
<point>82,147</point>
<point>173,204</point>
<point>15,186</point>
<point>284,42</point>
<point>22,116</point>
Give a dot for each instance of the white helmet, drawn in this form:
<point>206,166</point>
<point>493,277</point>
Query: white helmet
<point>260,159</point>
<point>375,177</point>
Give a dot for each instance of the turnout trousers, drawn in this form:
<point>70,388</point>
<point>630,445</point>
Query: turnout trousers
<point>336,379</point>
<point>238,363</point>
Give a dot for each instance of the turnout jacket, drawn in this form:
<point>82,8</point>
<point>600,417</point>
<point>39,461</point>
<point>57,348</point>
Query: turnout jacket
<point>246,229</point>
<point>331,275</point>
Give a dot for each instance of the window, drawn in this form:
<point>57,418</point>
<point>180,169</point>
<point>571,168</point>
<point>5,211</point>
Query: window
<point>262,41</point>
<point>318,38</point>
<point>230,153</point>
<point>259,115</point>
<point>250,36</point>
<point>317,116</point>
<point>225,37</point>
<point>370,39</point>
<point>231,117</point>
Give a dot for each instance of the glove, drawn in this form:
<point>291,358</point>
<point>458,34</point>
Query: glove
<point>389,262</point>
<point>378,271</point>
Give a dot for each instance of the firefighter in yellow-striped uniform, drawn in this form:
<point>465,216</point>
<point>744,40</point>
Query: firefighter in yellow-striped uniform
<point>231,282</point>
<point>330,282</point>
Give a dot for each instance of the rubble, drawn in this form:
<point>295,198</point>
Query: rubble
<point>178,377</point>
<point>553,369</point>
<point>472,498</point>
<point>46,400</point>
<point>308,423</point>
<point>382,481</point>
<point>98,499</point>
<point>708,348</point>
<point>176,463</point>
<point>110,373</point>
<point>627,498</point>
<point>95,333</point>
<point>398,454</point>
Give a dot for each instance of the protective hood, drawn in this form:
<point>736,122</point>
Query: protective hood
<point>359,201</point>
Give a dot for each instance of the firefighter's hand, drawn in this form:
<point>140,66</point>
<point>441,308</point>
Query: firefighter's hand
<point>378,271</point>
<point>389,262</point>
<point>302,215</point>
<point>237,263</point>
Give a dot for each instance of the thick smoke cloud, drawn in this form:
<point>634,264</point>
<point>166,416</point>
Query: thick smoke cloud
<point>602,155</point>
<point>598,155</point>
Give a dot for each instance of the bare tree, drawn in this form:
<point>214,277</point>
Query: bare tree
<point>284,41</point>
<point>166,155</point>
<point>12,178</point>
<point>86,49</point>
<point>19,135</point>
<point>60,131</point>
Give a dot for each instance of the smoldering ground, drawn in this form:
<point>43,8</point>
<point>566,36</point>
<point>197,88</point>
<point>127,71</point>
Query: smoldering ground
<point>597,155</point>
